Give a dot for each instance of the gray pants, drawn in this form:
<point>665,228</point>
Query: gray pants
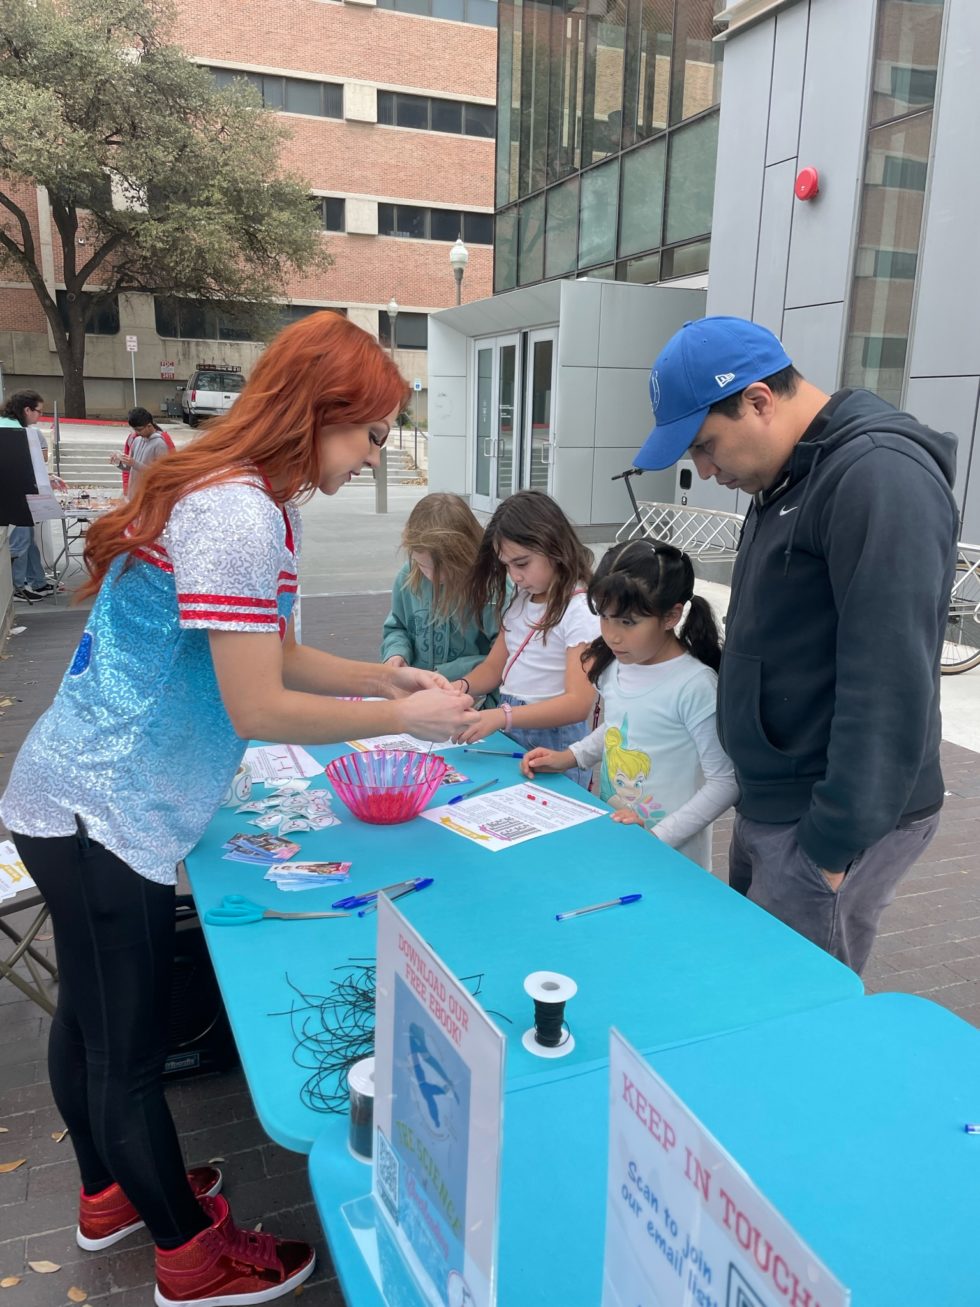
<point>768,866</point>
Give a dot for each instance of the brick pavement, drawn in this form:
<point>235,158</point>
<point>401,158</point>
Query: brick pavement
<point>929,944</point>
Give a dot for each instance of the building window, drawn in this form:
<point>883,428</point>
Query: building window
<point>411,330</point>
<point>482,13</point>
<point>412,222</point>
<point>332,212</point>
<point>289,313</point>
<point>288,94</point>
<point>426,114</point>
<point>101,312</point>
<point>190,319</point>
<point>896,172</point>
<point>635,83</point>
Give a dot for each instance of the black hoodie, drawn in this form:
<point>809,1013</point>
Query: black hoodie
<point>828,697</point>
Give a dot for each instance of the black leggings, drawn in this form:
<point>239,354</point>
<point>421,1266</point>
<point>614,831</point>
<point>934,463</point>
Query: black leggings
<point>114,938</point>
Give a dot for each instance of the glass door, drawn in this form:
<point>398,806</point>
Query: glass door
<point>539,437</point>
<point>497,420</point>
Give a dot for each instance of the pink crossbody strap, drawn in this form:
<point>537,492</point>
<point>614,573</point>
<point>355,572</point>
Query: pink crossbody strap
<point>526,641</point>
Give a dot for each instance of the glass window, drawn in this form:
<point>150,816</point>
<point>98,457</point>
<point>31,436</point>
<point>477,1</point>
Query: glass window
<point>647,75</point>
<point>101,313</point>
<point>273,92</point>
<point>333,210</point>
<point>904,174</point>
<point>535,92</point>
<point>907,57</point>
<point>386,220</point>
<point>645,270</point>
<point>386,107</point>
<point>482,12</point>
<point>411,222</point>
<point>333,100</point>
<point>890,225</point>
<point>604,85</point>
<point>412,6</point>
<point>691,180</point>
<point>643,198</point>
<point>562,229</point>
<point>509,115</point>
<point>447,116</point>
<point>302,96</point>
<point>223,77</point>
<point>445,224</point>
<point>411,330</point>
<point>478,228</point>
<point>412,111</point>
<point>597,224</point>
<point>531,241</point>
<point>289,313</point>
<point>479,120</point>
<point>454,9</point>
<point>164,312</point>
<point>505,250</point>
<point>696,68</point>
<point>684,260</point>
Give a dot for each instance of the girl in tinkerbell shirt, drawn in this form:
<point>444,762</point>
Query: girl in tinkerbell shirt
<point>662,765</point>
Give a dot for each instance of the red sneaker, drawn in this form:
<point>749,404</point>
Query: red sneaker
<point>105,1218</point>
<point>225,1265</point>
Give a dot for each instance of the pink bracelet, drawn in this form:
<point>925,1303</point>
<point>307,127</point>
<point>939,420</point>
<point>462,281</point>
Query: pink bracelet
<point>508,712</point>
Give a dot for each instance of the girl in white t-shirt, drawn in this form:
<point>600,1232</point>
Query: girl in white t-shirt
<point>662,765</point>
<point>546,698</point>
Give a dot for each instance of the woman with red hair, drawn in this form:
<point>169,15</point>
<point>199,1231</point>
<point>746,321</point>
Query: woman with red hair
<point>189,651</point>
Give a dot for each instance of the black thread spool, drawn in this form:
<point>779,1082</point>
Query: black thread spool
<point>360,1083</point>
<point>551,991</point>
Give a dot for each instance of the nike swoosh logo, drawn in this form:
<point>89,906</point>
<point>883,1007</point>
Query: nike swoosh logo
<point>784,511</point>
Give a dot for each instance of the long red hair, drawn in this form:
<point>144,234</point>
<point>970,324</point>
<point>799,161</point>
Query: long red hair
<point>320,371</point>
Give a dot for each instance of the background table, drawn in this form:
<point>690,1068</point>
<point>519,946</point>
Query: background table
<point>848,1117</point>
<point>691,959</point>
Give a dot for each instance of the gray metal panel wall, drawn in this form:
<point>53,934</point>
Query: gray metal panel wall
<point>839,53</point>
<point>740,170</point>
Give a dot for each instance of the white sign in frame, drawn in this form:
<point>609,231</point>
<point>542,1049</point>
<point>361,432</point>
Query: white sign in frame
<point>685,1226</point>
<point>438,1081</point>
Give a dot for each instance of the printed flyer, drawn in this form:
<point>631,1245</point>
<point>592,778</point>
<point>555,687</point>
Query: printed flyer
<point>685,1226</point>
<point>439,1067</point>
<point>502,818</point>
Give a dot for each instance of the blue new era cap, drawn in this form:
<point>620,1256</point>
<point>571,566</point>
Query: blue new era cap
<point>702,363</point>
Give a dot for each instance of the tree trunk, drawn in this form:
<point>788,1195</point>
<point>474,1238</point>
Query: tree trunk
<point>71,355</point>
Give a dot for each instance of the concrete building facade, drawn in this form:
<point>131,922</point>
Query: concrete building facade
<point>390,106</point>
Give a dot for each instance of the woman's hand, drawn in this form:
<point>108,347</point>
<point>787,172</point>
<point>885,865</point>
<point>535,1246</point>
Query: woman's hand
<point>488,721</point>
<point>407,680</point>
<point>627,817</point>
<point>546,760</point>
<point>396,660</point>
<point>437,714</point>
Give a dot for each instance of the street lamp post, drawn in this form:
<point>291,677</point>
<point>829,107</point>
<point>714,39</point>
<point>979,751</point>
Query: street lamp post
<point>381,472</point>
<point>459,256</point>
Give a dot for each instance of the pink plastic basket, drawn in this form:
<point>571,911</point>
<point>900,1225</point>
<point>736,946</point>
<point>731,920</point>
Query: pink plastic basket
<point>385,786</point>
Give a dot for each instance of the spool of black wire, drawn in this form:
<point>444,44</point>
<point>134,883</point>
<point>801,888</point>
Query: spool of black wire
<point>549,1036</point>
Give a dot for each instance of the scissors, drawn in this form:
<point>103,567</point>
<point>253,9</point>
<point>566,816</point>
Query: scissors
<point>235,910</point>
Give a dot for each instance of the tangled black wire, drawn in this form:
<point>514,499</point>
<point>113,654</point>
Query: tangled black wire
<point>335,1030</point>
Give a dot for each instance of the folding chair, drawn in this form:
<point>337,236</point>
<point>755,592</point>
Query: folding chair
<point>24,951</point>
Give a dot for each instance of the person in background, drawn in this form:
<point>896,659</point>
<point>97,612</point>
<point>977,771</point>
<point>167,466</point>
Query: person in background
<point>431,623</point>
<point>828,691</point>
<point>655,665</point>
<point>146,442</point>
<point>25,407</point>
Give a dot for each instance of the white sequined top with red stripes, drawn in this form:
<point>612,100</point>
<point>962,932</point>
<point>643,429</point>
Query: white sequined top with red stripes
<point>137,741</point>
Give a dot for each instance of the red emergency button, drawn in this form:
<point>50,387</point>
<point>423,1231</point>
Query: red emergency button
<point>807,184</point>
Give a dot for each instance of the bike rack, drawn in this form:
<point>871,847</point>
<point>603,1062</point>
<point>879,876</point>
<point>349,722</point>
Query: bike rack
<point>704,534</point>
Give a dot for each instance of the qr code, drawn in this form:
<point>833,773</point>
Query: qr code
<point>387,1171</point>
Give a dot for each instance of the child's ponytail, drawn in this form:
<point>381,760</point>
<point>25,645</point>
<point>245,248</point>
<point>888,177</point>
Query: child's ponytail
<point>699,633</point>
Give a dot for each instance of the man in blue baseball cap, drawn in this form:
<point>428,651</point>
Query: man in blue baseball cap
<point>828,692</point>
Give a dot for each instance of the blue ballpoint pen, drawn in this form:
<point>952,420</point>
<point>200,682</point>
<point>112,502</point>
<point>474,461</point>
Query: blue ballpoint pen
<point>419,885</point>
<point>598,907</point>
<point>361,900</point>
<point>495,753</point>
<point>458,798</point>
